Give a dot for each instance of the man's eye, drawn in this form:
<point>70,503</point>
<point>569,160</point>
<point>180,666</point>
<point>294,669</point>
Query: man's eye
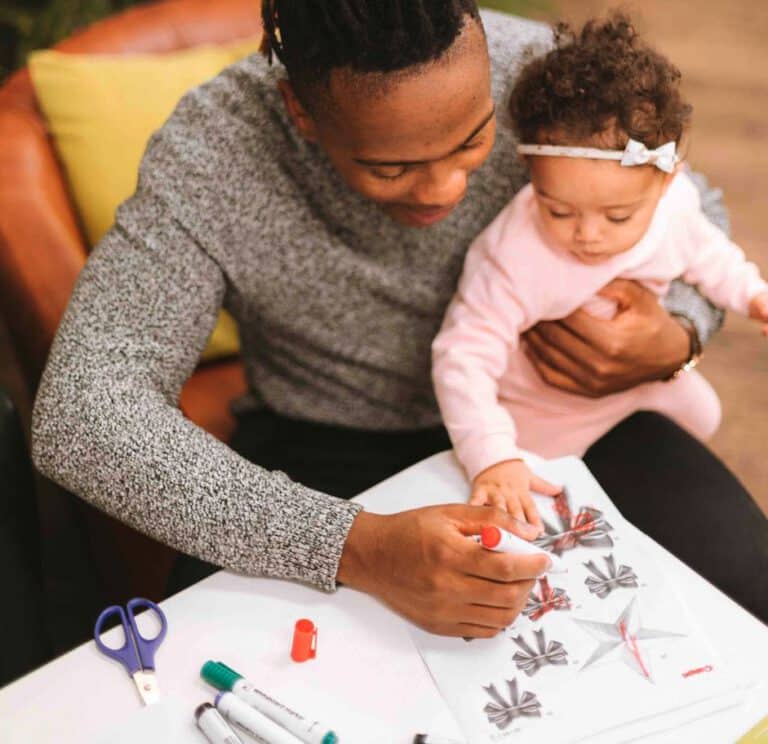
<point>619,219</point>
<point>560,215</point>
<point>389,172</point>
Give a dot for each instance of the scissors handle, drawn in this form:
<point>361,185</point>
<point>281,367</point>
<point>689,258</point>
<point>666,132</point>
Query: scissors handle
<point>137,652</point>
<point>146,646</point>
<point>125,654</point>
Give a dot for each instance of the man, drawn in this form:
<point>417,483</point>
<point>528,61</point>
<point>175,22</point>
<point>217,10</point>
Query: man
<point>330,212</point>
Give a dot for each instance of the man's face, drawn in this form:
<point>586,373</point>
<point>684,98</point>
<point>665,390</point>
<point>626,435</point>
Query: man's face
<point>409,141</point>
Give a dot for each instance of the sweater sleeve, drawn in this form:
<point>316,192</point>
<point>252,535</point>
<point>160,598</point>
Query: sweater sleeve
<point>683,298</point>
<point>106,423</point>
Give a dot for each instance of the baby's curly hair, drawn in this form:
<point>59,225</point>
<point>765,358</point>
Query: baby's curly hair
<point>602,85</point>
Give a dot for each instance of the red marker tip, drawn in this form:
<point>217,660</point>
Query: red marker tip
<point>490,537</point>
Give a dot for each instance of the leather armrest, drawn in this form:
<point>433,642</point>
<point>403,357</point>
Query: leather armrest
<point>206,396</point>
<point>167,26</point>
<point>41,246</point>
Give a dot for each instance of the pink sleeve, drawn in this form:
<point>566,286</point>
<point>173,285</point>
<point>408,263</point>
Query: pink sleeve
<point>469,355</point>
<point>717,266</point>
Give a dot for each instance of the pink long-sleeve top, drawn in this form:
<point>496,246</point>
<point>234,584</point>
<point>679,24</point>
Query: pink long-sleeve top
<point>515,277</point>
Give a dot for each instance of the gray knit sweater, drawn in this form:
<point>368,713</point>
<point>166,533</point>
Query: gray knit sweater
<point>336,305</point>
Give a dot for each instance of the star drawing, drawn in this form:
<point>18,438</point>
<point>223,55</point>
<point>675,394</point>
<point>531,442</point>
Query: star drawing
<point>623,638</point>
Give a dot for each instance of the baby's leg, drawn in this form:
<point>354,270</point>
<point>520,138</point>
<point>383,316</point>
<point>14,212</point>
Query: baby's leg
<point>689,400</point>
<point>563,430</point>
<point>553,423</point>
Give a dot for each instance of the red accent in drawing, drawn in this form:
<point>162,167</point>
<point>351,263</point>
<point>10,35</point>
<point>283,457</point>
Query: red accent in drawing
<point>588,528</point>
<point>549,599</point>
<point>634,649</point>
<point>698,670</point>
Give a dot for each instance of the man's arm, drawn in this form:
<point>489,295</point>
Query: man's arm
<point>106,423</point>
<point>106,426</point>
<point>683,299</point>
<point>643,343</point>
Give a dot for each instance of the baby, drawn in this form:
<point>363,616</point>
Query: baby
<point>601,119</point>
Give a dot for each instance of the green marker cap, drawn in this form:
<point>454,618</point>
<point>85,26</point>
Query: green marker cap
<point>223,677</point>
<point>219,675</point>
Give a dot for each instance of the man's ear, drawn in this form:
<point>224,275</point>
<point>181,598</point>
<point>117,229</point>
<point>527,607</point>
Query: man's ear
<point>300,117</point>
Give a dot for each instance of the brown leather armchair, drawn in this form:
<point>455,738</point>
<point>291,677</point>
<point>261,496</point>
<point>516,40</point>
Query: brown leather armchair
<point>42,245</point>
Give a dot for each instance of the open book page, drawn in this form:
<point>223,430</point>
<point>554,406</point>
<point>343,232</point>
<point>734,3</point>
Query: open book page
<point>606,651</point>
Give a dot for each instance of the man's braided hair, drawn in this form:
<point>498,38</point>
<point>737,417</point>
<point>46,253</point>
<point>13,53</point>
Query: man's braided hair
<point>313,37</point>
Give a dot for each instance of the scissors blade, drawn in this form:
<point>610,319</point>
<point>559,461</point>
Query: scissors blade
<point>146,683</point>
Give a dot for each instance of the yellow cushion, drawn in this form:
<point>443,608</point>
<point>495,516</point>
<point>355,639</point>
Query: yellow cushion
<point>102,110</point>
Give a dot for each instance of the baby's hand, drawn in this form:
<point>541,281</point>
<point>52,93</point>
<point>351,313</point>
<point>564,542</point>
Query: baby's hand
<point>507,485</point>
<point>758,309</point>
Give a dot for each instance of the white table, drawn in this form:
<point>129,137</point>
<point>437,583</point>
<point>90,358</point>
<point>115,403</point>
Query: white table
<point>367,681</point>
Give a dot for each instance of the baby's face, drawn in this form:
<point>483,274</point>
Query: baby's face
<point>595,208</point>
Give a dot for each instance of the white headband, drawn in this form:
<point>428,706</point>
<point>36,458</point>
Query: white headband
<point>635,153</point>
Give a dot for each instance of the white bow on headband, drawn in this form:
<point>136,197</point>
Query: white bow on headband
<point>635,153</point>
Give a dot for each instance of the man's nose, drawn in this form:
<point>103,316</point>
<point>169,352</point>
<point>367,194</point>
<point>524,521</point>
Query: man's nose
<point>440,185</point>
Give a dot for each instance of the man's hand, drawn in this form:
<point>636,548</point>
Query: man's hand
<point>507,485</point>
<point>595,357</point>
<point>422,564</point>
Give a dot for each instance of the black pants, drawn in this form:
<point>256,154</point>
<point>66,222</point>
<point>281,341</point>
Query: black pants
<point>664,481</point>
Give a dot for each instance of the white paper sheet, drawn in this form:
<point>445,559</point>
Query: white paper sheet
<point>168,721</point>
<point>615,667</point>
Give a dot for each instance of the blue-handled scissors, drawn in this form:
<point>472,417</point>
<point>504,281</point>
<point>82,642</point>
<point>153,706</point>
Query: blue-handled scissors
<point>137,654</point>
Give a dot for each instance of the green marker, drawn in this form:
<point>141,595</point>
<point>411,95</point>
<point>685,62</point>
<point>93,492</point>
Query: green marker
<point>223,678</point>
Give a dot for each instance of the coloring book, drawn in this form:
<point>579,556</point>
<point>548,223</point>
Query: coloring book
<point>606,651</point>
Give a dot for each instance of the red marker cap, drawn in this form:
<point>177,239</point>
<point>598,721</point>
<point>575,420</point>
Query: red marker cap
<point>304,640</point>
<point>490,536</point>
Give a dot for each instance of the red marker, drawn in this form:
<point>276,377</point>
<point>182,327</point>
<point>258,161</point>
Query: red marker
<point>495,538</point>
